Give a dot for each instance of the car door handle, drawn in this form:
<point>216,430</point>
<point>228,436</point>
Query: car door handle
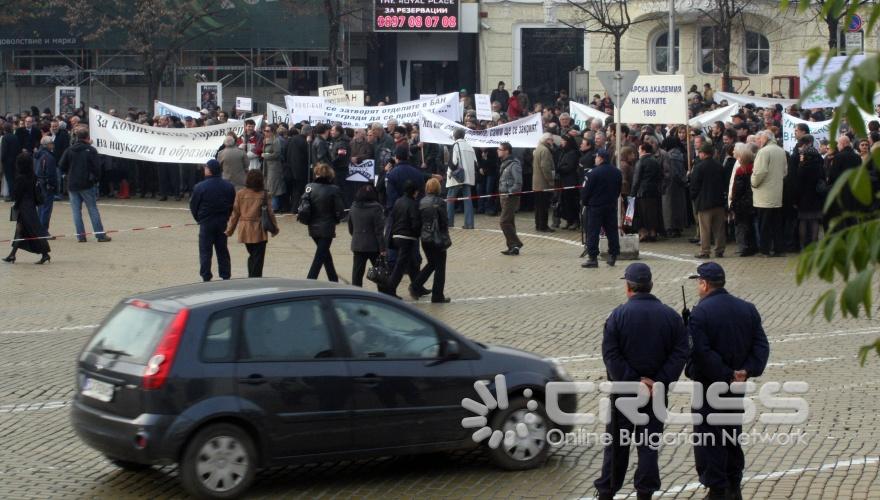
<point>255,379</point>
<point>368,379</point>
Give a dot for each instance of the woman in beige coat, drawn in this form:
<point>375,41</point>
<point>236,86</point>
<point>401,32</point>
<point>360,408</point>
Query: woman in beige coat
<point>246,209</point>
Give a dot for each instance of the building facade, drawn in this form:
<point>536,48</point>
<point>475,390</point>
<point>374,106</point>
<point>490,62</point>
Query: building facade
<point>534,43</point>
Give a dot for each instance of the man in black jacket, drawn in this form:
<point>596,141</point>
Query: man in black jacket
<point>406,227</point>
<point>600,195</point>
<point>210,204</point>
<point>844,159</point>
<point>80,164</point>
<point>296,155</point>
<point>320,145</point>
<point>708,192</point>
<point>729,345</point>
<point>644,342</point>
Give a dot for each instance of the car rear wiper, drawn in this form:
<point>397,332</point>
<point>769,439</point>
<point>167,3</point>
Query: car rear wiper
<point>114,352</point>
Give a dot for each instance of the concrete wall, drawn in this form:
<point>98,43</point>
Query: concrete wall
<point>789,34</point>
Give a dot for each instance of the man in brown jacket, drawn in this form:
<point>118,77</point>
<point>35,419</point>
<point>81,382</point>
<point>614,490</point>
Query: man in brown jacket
<point>542,180</point>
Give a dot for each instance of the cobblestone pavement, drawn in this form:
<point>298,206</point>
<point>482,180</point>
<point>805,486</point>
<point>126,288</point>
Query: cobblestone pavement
<point>541,301</point>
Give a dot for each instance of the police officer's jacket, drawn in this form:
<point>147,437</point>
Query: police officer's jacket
<point>727,336</point>
<point>601,186</point>
<point>213,197</point>
<point>644,338</point>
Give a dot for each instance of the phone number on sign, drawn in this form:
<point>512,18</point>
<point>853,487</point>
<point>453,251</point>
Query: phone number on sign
<point>447,22</point>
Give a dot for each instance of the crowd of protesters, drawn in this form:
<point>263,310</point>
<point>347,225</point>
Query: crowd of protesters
<point>730,181</point>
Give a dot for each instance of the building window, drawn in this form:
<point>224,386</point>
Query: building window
<point>757,54</point>
<point>711,51</point>
<point>660,50</point>
<point>548,54</point>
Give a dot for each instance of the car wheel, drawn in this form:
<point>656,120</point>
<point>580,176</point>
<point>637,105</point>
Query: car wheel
<point>219,462</point>
<point>524,424</point>
<point>129,466</point>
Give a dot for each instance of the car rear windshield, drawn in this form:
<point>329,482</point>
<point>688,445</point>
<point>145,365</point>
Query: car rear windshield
<point>131,333</point>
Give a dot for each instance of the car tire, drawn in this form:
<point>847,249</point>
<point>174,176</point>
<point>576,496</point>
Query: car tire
<point>219,462</point>
<point>129,466</point>
<point>526,452</point>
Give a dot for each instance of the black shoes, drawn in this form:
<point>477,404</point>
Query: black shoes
<point>701,256</point>
<point>105,239</point>
<point>10,259</point>
<point>511,251</point>
<point>417,293</point>
<point>44,260</point>
<point>590,264</point>
<point>441,300</point>
<point>612,259</point>
<point>545,230</point>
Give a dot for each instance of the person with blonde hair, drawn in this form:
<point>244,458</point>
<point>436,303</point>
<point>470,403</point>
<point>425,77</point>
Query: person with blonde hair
<point>247,210</point>
<point>435,241</point>
<point>327,209</point>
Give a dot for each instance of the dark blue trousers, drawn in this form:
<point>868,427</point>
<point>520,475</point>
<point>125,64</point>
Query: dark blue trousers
<point>602,217</point>
<point>718,456</point>
<point>212,239</point>
<point>615,458</point>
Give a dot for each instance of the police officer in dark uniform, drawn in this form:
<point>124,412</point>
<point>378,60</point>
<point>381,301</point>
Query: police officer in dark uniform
<point>729,345</point>
<point>645,341</point>
<point>599,194</point>
<point>210,204</point>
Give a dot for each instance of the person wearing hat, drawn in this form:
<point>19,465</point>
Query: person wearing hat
<point>210,204</point>
<point>599,195</point>
<point>708,191</point>
<point>729,345</point>
<point>501,96</point>
<point>644,341</point>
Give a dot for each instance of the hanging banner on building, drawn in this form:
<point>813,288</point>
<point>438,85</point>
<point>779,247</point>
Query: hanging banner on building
<point>334,94</point>
<point>656,99</point>
<point>819,130</point>
<point>164,109</point>
<point>124,139</point>
<point>209,95</point>
<point>362,172</point>
<point>820,75</point>
<point>706,120</point>
<point>276,114</point>
<point>484,107</point>
<point>760,102</point>
<point>244,104</point>
<point>445,105</point>
<point>305,108</point>
<point>582,115</point>
<point>523,133</point>
<point>66,100</point>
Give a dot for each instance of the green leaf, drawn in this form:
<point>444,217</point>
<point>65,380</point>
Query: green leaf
<point>854,118</point>
<point>826,301</point>
<point>856,293</point>
<point>865,349</point>
<point>860,185</point>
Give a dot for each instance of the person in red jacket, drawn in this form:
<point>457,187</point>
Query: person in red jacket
<point>514,110</point>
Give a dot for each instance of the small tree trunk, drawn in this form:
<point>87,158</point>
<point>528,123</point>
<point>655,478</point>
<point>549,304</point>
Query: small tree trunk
<point>833,26</point>
<point>331,8</point>
<point>617,38</point>
<point>726,83</point>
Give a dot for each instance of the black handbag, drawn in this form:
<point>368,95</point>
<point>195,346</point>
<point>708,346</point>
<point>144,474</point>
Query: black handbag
<point>265,219</point>
<point>457,173</point>
<point>380,273</point>
<point>304,211</point>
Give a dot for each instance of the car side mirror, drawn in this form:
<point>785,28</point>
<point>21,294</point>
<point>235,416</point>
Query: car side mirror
<point>451,349</point>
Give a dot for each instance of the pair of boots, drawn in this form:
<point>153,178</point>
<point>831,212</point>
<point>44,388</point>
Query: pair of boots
<point>11,258</point>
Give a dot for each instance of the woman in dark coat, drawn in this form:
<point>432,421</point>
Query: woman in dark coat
<point>366,225</point>
<point>809,199</point>
<point>568,177</point>
<point>647,185</point>
<point>328,209</point>
<point>27,224</point>
<point>432,210</point>
<point>741,202</point>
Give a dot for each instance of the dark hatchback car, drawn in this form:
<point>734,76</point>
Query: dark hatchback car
<point>226,377</point>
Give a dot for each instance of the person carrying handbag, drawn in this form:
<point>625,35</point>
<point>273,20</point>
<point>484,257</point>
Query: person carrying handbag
<point>247,214</point>
<point>460,179</point>
<point>435,241</point>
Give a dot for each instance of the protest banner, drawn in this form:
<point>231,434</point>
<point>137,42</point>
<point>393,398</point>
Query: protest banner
<point>334,94</point>
<point>582,115</point>
<point>819,130</point>
<point>656,99</point>
<point>164,109</point>
<point>484,107</point>
<point>276,114</point>
<point>427,96</point>
<point>820,74</point>
<point>523,133</point>
<point>304,108</point>
<point>119,138</point>
<point>362,172</point>
<point>244,104</point>
<point>408,112</point>
<point>355,98</point>
<point>760,102</point>
<point>66,100</point>
<point>705,120</point>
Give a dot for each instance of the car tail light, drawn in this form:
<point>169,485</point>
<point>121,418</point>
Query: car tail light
<point>160,362</point>
<point>140,303</point>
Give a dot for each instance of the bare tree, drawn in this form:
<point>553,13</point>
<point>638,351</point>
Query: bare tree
<point>835,12</point>
<point>155,30</point>
<point>604,17</point>
<point>723,14</point>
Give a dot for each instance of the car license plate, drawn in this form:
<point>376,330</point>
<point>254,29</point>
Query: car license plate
<point>102,391</point>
